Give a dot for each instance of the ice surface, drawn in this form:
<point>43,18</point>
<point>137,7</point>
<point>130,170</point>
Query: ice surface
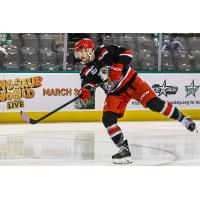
<point>151,143</point>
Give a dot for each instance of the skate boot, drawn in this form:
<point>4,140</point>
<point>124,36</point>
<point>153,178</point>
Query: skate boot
<point>189,124</point>
<point>124,155</point>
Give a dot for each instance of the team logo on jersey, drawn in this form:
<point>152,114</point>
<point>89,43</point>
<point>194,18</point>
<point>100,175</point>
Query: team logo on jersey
<point>191,89</point>
<point>103,73</point>
<point>164,89</point>
<point>108,85</point>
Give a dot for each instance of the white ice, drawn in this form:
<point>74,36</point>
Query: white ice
<point>151,143</point>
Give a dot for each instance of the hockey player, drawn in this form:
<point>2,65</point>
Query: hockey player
<point>124,84</point>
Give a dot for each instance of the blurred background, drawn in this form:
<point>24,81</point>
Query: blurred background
<point>54,51</point>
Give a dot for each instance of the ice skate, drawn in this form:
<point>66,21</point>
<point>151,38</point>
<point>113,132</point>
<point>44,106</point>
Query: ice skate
<point>189,124</point>
<point>124,155</point>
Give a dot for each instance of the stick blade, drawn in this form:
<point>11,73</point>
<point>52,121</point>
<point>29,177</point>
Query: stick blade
<point>27,118</point>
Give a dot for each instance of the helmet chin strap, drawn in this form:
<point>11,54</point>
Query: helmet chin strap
<point>90,55</point>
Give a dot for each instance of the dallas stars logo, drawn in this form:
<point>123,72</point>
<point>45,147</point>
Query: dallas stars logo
<point>191,89</point>
<point>164,89</point>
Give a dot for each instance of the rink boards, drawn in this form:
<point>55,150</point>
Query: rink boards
<point>39,93</point>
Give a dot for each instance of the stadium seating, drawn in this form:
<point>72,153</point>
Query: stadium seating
<point>182,62</point>
<point>148,65</point>
<point>46,40</point>
<point>196,55</point>
<point>96,37</point>
<point>50,67</point>
<point>13,55</point>
<point>166,56</point>
<point>168,65</point>
<point>128,42</point>
<point>29,54</point>
<point>193,43</point>
<point>134,61</point>
<point>30,40</point>
<point>35,51</point>
<point>107,40</point>
<point>146,55</point>
<point>145,42</point>
<point>167,61</point>
<point>16,40</point>
<point>70,45</point>
<point>47,56</point>
<point>183,41</point>
<point>30,66</point>
<point>73,67</point>
<point>197,67</point>
<point>11,66</point>
<point>184,66</point>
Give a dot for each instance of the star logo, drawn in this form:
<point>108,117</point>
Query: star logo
<point>191,89</point>
<point>164,89</point>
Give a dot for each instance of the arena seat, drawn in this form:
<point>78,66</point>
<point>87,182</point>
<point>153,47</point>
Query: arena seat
<point>16,40</point>
<point>46,40</point>
<point>145,55</point>
<point>184,66</point>
<point>107,40</point>
<point>29,54</point>
<point>13,55</point>
<point>11,66</point>
<point>50,67</point>
<point>32,66</point>
<point>147,65</point>
<point>30,40</point>
<point>168,65</point>
<point>193,43</point>
<point>47,56</point>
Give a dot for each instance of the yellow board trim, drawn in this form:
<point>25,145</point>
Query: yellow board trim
<point>92,116</point>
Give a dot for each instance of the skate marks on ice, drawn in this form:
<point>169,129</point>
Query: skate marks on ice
<point>29,150</point>
<point>44,145</point>
<point>173,157</point>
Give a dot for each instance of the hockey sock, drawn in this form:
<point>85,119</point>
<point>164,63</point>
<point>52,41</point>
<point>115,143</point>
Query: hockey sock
<point>172,112</point>
<point>116,134</point>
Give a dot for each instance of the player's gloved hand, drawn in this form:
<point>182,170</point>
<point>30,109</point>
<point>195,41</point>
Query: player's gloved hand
<point>115,72</point>
<point>85,94</point>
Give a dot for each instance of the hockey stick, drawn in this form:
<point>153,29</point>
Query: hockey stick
<point>35,121</point>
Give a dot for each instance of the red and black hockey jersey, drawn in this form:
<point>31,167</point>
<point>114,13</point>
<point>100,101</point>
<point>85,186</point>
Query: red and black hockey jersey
<point>98,70</point>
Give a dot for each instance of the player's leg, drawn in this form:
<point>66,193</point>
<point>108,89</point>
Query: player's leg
<point>113,109</point>
<point>166,108</point>
<point>147,97</point>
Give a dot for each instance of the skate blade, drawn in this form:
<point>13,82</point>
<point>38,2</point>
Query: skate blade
<point>126,160</point>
